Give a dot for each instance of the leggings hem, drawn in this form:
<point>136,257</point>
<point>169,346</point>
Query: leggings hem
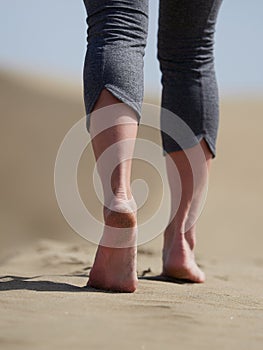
<point>197,139</point>
<point>116,93</point>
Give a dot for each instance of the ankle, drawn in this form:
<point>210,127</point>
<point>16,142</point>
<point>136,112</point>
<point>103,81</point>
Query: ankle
<point>174,236</point>
<point>191,238</point>
<point>122,193</point>
<point>123,196</point>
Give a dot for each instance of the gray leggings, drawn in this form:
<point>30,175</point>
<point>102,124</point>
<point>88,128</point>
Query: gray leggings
<point>117,34</point>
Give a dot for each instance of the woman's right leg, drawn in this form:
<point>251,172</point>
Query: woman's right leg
<point>115,263</point>
<point>113,73</point>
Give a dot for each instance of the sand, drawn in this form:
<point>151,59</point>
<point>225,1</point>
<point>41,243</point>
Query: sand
<point>44,265</point>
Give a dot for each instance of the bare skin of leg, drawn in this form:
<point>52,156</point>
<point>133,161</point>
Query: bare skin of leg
<point>179,240</point>
<point>114,268</point>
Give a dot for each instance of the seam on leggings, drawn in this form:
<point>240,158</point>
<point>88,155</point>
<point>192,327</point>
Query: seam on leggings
<point>210,143</point>
<point>97,92</point>
<point>201,77</point>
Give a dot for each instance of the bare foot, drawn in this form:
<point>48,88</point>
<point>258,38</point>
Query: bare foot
<point>114,268</point>
<point>179,260</point>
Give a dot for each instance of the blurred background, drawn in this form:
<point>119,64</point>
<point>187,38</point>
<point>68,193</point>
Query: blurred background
<point>42,48</point>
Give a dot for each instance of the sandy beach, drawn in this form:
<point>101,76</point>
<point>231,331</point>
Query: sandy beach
<point>44,264</point>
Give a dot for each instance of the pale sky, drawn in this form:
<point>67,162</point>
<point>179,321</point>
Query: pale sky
<point>49,37</point>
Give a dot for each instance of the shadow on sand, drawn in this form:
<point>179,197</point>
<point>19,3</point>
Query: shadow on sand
<point>8,283</point>
<point>161,278</point>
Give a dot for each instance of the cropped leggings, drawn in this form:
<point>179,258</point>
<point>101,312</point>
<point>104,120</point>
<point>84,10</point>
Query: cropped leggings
<point>117,35</point>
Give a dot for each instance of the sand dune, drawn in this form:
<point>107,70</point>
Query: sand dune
<point>44,265</point>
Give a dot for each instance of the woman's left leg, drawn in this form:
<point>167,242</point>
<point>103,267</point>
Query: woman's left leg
<point>189,121</point>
